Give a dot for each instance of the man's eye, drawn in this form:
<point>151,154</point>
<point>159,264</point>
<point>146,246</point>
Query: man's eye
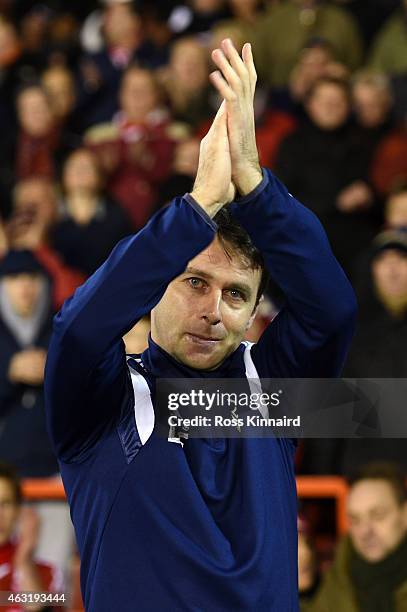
<point>196,283</point>
<point>236,294</point>
<point>379,515</point>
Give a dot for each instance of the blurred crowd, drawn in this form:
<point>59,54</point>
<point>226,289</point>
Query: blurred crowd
<point>102,108</point>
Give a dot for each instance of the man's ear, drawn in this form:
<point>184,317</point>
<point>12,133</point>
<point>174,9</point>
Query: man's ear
<point>254,313</point>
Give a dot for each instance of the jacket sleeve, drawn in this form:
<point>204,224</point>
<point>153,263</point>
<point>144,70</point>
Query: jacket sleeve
<point>311,334</point>
<point>86,373</point>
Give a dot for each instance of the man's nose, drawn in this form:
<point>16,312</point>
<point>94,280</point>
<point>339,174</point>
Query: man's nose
<point>366,530</point>
<point>211,308</point>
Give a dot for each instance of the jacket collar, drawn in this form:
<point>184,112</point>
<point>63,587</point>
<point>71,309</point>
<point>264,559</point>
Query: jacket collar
<point>162,365</point>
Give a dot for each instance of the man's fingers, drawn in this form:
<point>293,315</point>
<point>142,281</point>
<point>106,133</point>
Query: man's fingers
<point>239,73</point>
<point>247,56</point>
<point>233,79</point>
<point>222,86</point>
<point>235,60</point>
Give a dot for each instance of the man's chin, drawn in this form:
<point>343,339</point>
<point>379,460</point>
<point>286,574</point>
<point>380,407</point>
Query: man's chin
<point>203,359</point>
<point>202,362</point>
<point>372,555</point>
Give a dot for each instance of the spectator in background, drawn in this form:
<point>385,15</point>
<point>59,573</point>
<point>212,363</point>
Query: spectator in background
<point>186,81</point>
<point>324,165</point>
<point>135,150</point>
<point>292,24</point>
<point>316,61</point>
<point>379,346</point>
<point>34,214</point>
<point>19,530</point>
<point>91,223</point>
<point>372,104</point>
<point>25,328</point>
<point>378,350</point>
<point>38,137</point>
<point>101,72</point>
<point>34,197</point>
<point>372,100</point>
<point>59,84</point>
<point>40,145</point>
<point>369,572</point>
<point>389,51</point>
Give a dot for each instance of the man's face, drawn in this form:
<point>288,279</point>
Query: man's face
<point>36,195</point>
<point>34,112</point>
<point>9,510</point>
<point>81,173</point>
<point>121,25</point>
<point>60,87</point>
<point>204,313</point>
<point>371,104</point>
<point>328,106</point>
<point>377,520</point>
<point>23,291</point>
<point>189,63</point>
<point>138,94</point>
<point>389,270</point>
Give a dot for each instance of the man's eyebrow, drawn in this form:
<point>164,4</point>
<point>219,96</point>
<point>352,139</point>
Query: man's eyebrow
<point>197,272</point>
<point>243,287</point>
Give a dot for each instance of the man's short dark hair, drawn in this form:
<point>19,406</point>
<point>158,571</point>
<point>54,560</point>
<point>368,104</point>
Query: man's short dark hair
<point>234,239</point>
<point>383,470</point>
<point>8,473</point>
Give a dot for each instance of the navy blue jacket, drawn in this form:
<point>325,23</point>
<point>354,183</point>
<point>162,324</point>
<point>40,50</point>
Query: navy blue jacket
<point>210,525</point>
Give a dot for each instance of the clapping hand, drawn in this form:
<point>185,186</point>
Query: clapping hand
<point>236,82</point>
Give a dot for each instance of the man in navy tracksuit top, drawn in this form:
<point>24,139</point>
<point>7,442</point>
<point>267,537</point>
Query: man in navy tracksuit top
<point>209,525</point>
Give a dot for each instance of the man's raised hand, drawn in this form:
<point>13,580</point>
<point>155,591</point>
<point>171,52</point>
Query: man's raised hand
<point>213,186</point>
<point>236,82</point>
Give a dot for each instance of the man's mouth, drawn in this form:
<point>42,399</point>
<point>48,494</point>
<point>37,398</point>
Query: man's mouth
<point>202,340</point>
